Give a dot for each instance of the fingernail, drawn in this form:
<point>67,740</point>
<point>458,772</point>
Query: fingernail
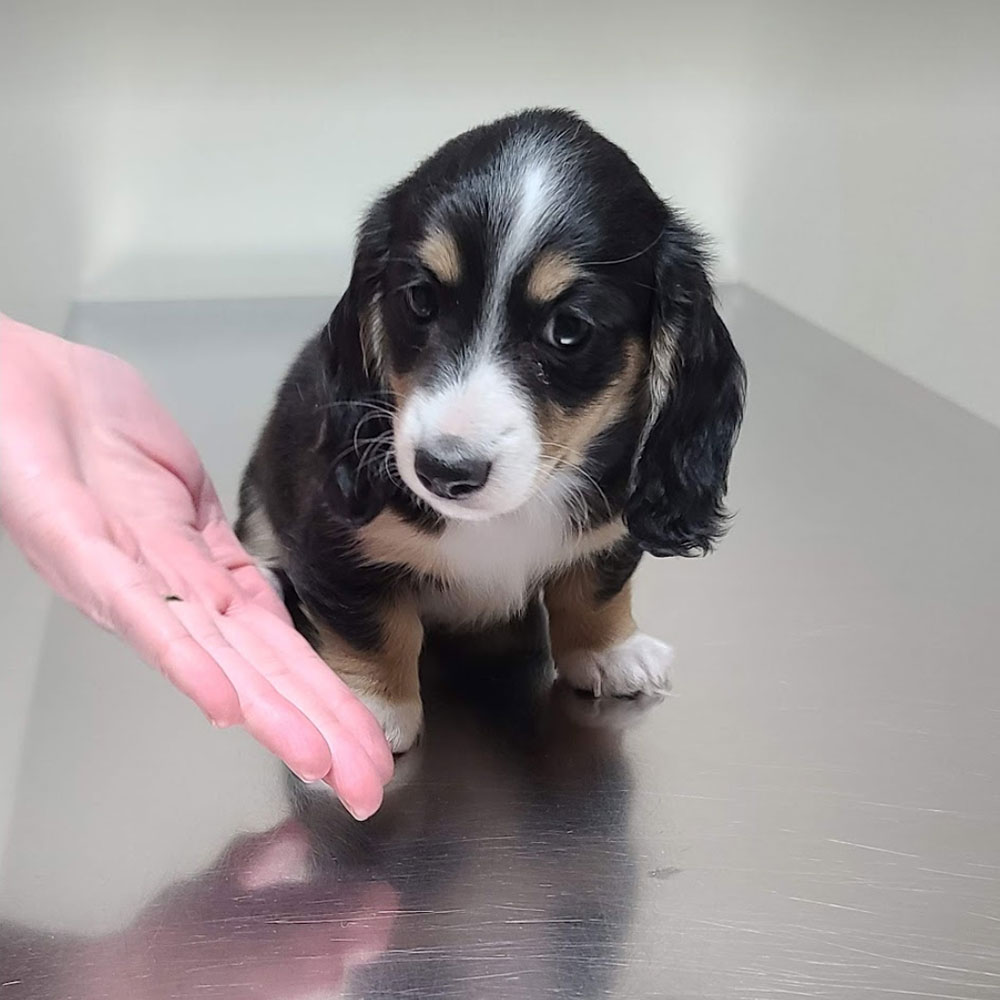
<point>360,815</point>
<point>310,778</point>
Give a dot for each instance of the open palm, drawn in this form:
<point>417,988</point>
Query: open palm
<point>111,504</point>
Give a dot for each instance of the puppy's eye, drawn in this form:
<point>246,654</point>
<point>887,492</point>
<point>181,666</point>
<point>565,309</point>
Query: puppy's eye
<point>567,331</point>
<point>421,300</point>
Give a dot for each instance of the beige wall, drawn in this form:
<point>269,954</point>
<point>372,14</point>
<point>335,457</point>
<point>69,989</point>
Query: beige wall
<point>841,154</point>
<point>868,186</point>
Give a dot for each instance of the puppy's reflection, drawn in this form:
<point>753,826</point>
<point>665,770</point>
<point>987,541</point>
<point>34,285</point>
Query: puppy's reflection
<point>499,866</point>
<point>505,832</point>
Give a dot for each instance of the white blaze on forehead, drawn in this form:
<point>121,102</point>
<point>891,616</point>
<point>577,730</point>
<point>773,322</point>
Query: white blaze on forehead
<point>533,207</point>
<point>526,188</point>
<point>481,402</point>
<point>476,405</point>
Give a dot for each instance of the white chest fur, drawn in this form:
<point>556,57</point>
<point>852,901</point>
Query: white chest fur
<point>491,567</point>
<point>487,569</point>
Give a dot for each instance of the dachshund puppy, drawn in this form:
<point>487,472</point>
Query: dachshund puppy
<point>525,386</point>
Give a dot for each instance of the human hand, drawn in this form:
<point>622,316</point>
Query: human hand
<point>111,504</point>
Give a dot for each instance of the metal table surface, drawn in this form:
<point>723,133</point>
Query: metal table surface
<point>816,812</point>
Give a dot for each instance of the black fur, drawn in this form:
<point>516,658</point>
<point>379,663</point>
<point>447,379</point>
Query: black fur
<point>355,404</point>
<point>676,506</point>
<point>614,568</point>
<point>323,466</point>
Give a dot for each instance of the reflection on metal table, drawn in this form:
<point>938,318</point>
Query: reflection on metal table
<point>816,812</point>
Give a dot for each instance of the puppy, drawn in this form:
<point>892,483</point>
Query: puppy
<point>524,387</point>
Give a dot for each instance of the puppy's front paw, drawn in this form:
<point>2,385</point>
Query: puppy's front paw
<point>401,721</point>
<point>637,665</point>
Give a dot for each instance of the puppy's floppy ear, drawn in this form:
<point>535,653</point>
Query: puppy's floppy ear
<point>355,402</point>
<point>696,386</point>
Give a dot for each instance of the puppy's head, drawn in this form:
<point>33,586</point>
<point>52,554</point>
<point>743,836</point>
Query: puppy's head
<point>524,299</point>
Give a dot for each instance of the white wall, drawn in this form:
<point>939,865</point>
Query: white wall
<point>868,185</point>
<point>842,154</point>
<point>229,148</point>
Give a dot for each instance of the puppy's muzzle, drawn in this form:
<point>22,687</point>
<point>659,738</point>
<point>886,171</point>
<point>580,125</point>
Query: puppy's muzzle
<point>450,469</point>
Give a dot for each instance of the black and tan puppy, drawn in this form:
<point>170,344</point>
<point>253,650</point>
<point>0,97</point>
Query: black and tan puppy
<point>525,386</point>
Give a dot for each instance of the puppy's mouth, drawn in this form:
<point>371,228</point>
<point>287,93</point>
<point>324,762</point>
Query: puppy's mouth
<point>465,483</point>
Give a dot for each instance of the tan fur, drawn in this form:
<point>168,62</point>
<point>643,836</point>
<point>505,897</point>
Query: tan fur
<point>598,539</point>
<point>567,433</point>
<point>372,339</point>
<point>389,539</point>
<point>402,386</point>
<point>258,536</point>
<point>390,672</point>
<point>659,379</point>
<point>439,251</point>
<point>553,272</point>
<point>578,619</point>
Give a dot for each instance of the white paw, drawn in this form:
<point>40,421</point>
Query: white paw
<point>637,665</point>
<point>401,721</point>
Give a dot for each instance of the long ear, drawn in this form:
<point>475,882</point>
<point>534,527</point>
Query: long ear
<point>355,402</point>
<point>696,389</point>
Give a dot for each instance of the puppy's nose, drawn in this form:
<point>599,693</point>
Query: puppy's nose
<point>450,472</point>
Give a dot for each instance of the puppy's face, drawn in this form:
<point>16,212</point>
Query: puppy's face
<point>540,321</point>
<point>513,322</point>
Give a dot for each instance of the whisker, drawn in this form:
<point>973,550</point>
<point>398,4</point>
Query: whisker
<point>373,454</point>
<point>380,406</point>
<point>625,260</point>
<point>370,416</point>
<point>561,461</point>
<point>354,447</point>
<point>391,471</point>
<point>380,440</point>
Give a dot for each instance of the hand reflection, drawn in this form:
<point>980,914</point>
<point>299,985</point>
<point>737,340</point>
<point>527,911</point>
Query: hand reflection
<point>255,925</point>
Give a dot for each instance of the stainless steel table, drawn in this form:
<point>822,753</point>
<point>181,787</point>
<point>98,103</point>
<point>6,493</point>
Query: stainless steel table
<point>815,813</point>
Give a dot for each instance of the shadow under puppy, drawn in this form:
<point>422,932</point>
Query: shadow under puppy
<point>524,387</point>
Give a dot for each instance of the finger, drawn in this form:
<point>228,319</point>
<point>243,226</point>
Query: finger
<point>226,550</point>
<point>260,591</point>
<point>119,593</point>
<point>269,717</point>
<point>319,689</point>
<point>285,659</point>
<point>211,592</point>
<point>353,775</point>
<point>258,672</point>
<point>183,560</point>
<point>188,563</point>
<point>135,606</point>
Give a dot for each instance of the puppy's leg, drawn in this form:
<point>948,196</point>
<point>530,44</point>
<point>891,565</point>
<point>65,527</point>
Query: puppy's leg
<point>386,675</point>
<point>380,661</point>
<point>255,532</point>
<point>595,643</point>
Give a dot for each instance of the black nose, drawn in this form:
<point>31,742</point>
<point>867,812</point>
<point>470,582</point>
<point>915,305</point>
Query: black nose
<point>449,473</point>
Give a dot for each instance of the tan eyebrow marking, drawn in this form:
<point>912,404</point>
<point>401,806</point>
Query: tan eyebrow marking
<point>552,273</point>
<point>439,251</point>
